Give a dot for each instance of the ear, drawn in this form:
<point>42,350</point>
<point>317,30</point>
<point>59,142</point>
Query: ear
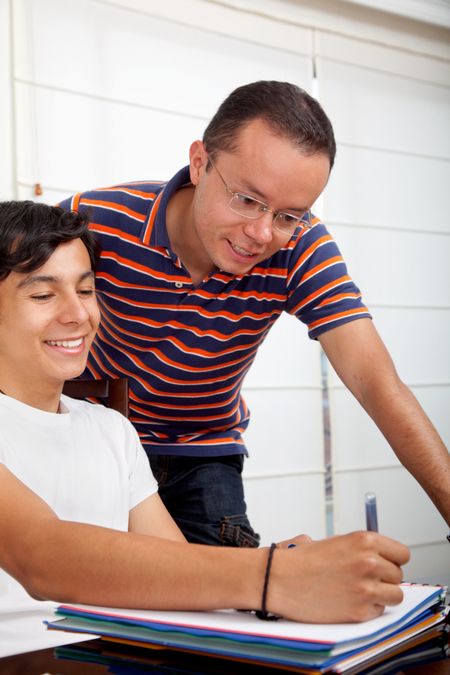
<point>198,160</point>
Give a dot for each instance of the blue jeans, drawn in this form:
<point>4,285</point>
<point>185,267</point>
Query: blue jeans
<point>205,496</point>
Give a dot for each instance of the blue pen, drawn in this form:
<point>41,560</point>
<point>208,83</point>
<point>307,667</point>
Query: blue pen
<point>371,512</point>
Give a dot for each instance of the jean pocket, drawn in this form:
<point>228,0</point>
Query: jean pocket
<point>237,531</point>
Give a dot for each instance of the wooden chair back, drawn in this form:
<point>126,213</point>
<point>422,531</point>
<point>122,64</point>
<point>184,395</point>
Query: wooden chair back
<point>114,392</point>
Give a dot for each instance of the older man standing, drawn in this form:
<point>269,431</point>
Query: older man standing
<point>193,274</point>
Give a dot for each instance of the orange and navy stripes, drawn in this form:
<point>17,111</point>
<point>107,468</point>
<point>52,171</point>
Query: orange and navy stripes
<point>186,350</point>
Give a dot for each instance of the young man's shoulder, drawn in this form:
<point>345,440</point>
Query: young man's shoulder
<point>96,421</point>
<point>109,421</point>
<point>96,411</point>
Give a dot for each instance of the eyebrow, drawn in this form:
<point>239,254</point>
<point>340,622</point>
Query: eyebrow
<point>255,191</point>
<point>49,279</point>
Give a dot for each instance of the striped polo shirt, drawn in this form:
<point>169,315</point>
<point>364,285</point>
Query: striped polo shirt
<point>186,349</point>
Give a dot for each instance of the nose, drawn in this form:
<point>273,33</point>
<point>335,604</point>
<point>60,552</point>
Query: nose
<point>73,309</point>
<point>260,229</point>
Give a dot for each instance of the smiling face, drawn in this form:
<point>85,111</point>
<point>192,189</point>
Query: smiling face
<point>264,166</point>
<point>48,319</point>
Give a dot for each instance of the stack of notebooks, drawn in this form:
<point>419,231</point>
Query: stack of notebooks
<point>298,647</point>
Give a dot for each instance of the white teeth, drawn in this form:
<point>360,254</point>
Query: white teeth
<point>240,250</point>
<point>67,344</point>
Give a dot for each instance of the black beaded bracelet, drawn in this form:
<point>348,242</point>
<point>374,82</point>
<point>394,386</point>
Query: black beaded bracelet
<point>263,613</point>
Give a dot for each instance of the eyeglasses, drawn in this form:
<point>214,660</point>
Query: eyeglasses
<point>252,208</point>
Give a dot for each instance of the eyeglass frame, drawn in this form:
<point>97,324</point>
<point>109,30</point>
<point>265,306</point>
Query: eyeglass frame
<point>264,208</point>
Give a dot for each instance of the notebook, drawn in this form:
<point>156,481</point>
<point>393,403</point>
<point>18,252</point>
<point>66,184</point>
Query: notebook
<point>308,648</point>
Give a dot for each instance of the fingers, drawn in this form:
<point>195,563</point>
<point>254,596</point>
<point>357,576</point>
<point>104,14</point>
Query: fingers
<point>370,600</point>
<point>380,558</point>
<point>393,550</point>
<point>391,593</point>
<point>350,577</point>
<point>389,573</point>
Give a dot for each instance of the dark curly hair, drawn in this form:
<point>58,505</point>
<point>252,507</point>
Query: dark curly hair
<point>30,232</point>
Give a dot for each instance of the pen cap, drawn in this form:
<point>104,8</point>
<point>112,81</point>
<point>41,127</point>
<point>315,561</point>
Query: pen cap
<point>371,512</point>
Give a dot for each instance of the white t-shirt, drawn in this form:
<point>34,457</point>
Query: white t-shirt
<point>87,463</point>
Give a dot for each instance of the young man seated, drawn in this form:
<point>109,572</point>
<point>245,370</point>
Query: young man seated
<point>80,517</point>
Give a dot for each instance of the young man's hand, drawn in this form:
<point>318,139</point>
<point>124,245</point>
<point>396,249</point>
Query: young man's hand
<point>341,579</point>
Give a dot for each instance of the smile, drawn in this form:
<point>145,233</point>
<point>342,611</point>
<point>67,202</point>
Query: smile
<point>241,251</point>
<point>66,344</point>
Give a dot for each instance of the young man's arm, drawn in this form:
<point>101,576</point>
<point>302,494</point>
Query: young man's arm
<point>347,578</point>
<point>361,360</point>
<point>152,518</point>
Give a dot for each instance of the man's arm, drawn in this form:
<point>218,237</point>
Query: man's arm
<point>361,360</point>
<point>348,578</point>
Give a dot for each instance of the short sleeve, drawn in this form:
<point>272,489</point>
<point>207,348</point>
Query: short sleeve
<point>320,291</point>
<point>142,483</point>
<point>70,203</point>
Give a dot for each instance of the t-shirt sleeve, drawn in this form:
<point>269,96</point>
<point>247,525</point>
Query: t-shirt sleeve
<point>142,483</point>
<point>320,291</point>
<point>3,445</point>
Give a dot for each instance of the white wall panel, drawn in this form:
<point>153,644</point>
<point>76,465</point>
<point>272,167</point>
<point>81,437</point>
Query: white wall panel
<point>418,342</point>
<point>7,177</point>
<point>430,11</point>
<point>84,143</point>
<point>280,508</point>
<point>287,357</point>
<point>397,59</point>
<point>337,19</point>
<point>139,93</point>
<point>392,191</point>
<point>141,59</point>
<point>285,433</point>
<point>429,564</point>
<point>284,475</point>
<point>229,19</point>
<point>396,491</point>
<point>357,442</point>
<point>392,267</point>
<point>382,110</point>
<point>48,196</point>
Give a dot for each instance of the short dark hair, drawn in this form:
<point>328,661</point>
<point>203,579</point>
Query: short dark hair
<point>30,233</point>
<point>288,109</point>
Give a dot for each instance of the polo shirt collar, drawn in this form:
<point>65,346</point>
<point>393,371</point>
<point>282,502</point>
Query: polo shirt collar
<point>154,231</point>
